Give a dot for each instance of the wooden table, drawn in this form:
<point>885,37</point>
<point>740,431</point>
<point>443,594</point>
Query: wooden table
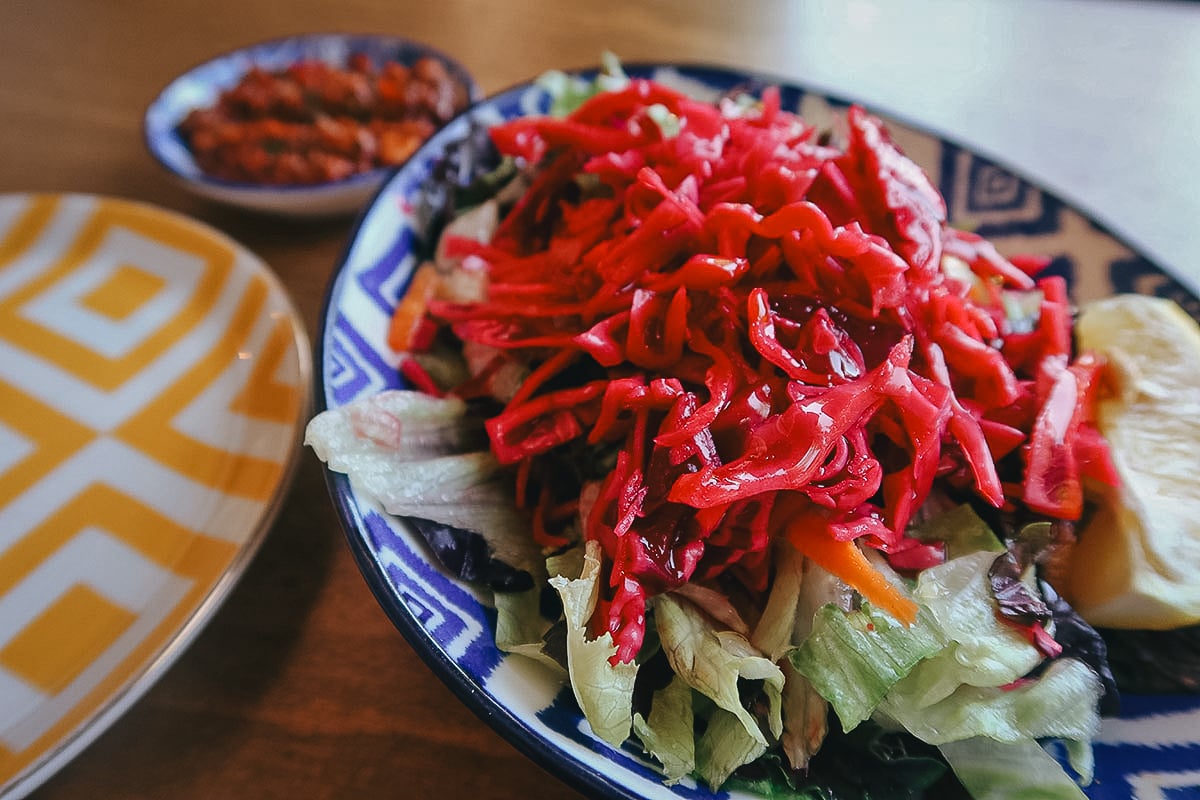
<point>300,686</point>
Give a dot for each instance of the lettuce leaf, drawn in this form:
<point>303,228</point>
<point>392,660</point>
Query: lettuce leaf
<point>569,92</point>
<point>774,633</point>
<point>520,626</point>
<point>402,425</point>
<point>952,675</point>
<point>668,732</point>
<point>854,658</point>
<point>1061,704</point>
<point>714,662</point>
<point>992,770</point>
<point>981,650</point>
<point>725,745</point>
<point>422,456</point>
<point>797,590</point>
<point>603,690</point>
<point>805,718</point>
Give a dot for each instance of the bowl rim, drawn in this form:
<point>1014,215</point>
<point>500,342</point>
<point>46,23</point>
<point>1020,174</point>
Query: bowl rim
<point>153,135</point>
<point>577,774</point>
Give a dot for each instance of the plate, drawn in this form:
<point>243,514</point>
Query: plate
<point>154,379</point>
<point>1154,747</point>
<point>201,85</point>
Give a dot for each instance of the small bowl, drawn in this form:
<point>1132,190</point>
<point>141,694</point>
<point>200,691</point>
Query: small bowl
<point>202,85</point>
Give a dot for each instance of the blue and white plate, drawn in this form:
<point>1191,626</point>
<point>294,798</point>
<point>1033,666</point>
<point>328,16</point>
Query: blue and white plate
<point>1151,752</point>
<point>202,85</point>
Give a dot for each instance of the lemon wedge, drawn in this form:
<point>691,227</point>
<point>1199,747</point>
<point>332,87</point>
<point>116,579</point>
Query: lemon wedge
<point>1137,562</point>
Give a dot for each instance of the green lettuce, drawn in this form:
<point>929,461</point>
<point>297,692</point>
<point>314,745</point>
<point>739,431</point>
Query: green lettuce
<point>992,770</point>
<point>520,626</point>
<point>725,745</point>
<point>957,674</point>
<point>668,733</point>
<point>603,690</point>
<point>854,658</point>
<point>714,662</point>
<point>1060,704</point>
<point>426,457</point>
<point>981,650</point>
<point>569,92</point>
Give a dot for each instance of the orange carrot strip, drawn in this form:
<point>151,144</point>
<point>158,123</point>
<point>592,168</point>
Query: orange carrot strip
<point>809,534</point>
<point>410,311</point>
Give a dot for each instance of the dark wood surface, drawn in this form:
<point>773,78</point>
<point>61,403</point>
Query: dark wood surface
<point>300,687</point>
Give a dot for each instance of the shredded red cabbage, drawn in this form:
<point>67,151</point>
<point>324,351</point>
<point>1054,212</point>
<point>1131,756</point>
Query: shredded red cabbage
<point>753,321</point>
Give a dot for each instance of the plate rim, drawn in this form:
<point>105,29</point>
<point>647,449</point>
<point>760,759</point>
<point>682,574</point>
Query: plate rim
<point>576,774</point>
<point>124,697</point>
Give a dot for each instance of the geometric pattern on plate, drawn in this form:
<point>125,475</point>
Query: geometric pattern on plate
<point>150,387</point>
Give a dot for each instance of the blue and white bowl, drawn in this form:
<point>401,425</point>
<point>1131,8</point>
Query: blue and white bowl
<point>202,85</point>
<point>1153,751</point>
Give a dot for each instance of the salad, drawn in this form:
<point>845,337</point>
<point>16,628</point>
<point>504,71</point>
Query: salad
<point>782,470</point>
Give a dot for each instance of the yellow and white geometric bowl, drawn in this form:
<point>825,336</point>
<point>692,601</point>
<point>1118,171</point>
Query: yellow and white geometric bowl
<point>154,380</point>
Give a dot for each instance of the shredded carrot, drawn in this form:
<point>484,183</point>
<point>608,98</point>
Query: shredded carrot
<point>810,535</point>
<point>410,311</point>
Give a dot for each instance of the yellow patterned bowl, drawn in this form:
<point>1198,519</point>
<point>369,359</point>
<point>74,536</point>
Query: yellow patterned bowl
<point>154,379</point>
